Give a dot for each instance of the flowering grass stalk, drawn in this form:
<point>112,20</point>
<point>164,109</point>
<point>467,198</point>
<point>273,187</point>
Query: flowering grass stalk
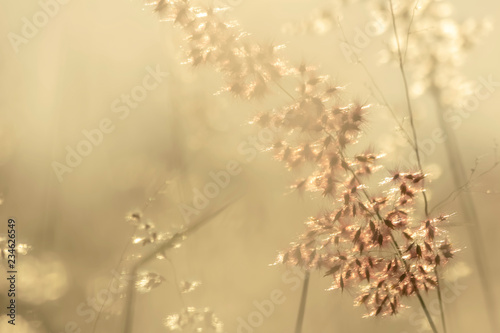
<point>419,161</point>
<point>442,51</point>
<point>379,244</point>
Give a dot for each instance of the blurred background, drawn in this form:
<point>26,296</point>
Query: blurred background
<point>70,78</point>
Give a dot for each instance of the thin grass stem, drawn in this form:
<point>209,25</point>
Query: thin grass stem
<point>302,306</point>
<point>419,161</point>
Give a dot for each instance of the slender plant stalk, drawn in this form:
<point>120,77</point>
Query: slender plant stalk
<point>440,297</point>
<point>414,145</point>
<point>408,101</point>
<point>302,306</point>
<point>419,161</point>
<point>376,86</point>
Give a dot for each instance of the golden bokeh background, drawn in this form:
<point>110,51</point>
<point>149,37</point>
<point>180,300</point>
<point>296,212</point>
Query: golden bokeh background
<point>65,80</point>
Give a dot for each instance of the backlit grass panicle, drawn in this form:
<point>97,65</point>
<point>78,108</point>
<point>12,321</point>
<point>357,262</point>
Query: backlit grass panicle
<point>376,244</point>
<point>248,67</point>
<point>356,243</point>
